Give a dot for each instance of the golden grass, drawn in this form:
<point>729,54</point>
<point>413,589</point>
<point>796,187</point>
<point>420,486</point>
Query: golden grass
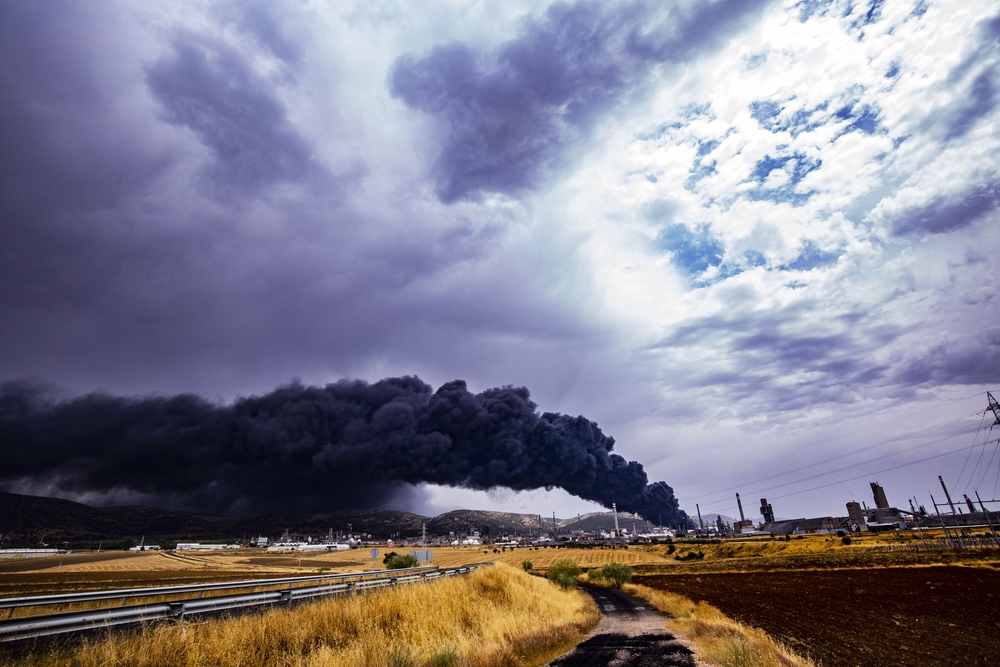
<point>718,638</point>
<point>494,616</point>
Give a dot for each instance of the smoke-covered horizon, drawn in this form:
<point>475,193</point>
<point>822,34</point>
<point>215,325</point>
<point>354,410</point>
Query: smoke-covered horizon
<point>300,449</point>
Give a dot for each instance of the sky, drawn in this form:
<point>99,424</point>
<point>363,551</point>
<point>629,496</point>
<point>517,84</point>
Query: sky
<point>756,242</point>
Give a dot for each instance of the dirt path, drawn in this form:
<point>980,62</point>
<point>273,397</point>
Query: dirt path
<point>630,634</point>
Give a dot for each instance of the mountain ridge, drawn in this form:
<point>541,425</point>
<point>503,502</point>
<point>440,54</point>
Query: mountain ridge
<point>27,518</point>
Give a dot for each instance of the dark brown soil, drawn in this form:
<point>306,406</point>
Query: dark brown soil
<point>941,615</point>
<point>53,562</point>
<point>49,582</point>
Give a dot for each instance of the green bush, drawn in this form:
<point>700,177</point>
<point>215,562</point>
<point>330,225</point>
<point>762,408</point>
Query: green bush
<point>526,564</point>
<point>671,548</point>
<point>691,555</point>
<point>841,533</point>
<point>845,539</point>
<point>564,572</point>
<point>617,574</point>
<point>595,574</point>
<point>400,561</point>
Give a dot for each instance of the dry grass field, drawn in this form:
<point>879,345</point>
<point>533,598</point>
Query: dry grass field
<point>810,552</point>
<point>495,616</point>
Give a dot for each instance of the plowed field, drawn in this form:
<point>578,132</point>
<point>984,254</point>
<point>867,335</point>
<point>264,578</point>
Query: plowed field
<point>915,616</point>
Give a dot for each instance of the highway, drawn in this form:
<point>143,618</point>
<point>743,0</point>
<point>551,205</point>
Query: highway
<point>629,635</point>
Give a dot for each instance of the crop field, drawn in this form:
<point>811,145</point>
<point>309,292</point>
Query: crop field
<point>810,552</point>
<point>919,616</point>
<point>118,569</point>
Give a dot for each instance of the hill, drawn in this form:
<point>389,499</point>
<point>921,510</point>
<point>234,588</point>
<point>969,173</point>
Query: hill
<point>26,519</point>
<point>487,523</point>
<point>604,521</point>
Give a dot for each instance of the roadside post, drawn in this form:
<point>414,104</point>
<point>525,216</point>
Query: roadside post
<point>374,555</point>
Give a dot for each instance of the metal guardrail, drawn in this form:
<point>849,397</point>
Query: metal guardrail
<point>26,627</point>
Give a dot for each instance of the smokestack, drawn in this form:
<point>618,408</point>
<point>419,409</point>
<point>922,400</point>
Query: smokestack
<point>947,495</point>
<point>701,524</point>
<point>968,502</point>
<point>302,449</point>
<point>878,493</point>
<point>766,511</point>
<point>740,505</point>
<point>614,508</point>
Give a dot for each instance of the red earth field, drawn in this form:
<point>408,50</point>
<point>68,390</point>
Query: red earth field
<point>943,615</point>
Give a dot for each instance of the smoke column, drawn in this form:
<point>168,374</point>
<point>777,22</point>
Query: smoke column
<point>309,449</point>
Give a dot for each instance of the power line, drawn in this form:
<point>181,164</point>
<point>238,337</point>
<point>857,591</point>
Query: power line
<point>974,441</point>
<point>867,474</point>
<point>844,455</point>
<point>821,442</point>
<point>877,458</point>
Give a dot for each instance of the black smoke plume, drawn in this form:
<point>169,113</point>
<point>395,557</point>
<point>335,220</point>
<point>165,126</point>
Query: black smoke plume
<point>309,449</point>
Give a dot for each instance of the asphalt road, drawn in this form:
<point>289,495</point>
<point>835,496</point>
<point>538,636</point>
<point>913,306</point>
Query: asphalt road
<point>629,635</point>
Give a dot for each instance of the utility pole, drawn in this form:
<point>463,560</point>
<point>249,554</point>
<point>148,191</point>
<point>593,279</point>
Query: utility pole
<point>988,520</point>
<point>947,537</point>
<point>947,495</point>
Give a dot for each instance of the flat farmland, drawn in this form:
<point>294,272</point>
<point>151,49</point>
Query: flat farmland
<point>919,616</point>
<point>121,569</point>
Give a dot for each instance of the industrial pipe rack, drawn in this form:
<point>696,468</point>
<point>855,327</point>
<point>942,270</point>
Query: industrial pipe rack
<point>284,591</point>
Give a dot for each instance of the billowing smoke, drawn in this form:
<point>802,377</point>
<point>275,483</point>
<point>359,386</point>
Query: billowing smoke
<point>309,449</point>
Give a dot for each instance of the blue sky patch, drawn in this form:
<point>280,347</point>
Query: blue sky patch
<point>797,166</point>
<point>699,171</point>
<point>811,257</point>
<point>692,251</point>
<point>766,113</point>
<point>863,117</point>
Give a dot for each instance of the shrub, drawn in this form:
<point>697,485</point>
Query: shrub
<point>691,555</point>
<point>617,574</point>
<point>841,533</point>
<point>845,539</point>
<point>400,561</point>
<point>526,564</point>
<point>564,572</point>
<point>595,574</point>
<point>671,548</point>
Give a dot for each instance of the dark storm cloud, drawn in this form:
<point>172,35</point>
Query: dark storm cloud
<point>766,351</point>
<point>210,89</point>
<point>508,116</point>
<point>947,213</point>
<point>348,444</point>
<point>956,359</point>
<point>261,20</point>
<point>974,84</point>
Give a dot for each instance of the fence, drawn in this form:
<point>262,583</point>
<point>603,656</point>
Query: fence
<point>281,591</point>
